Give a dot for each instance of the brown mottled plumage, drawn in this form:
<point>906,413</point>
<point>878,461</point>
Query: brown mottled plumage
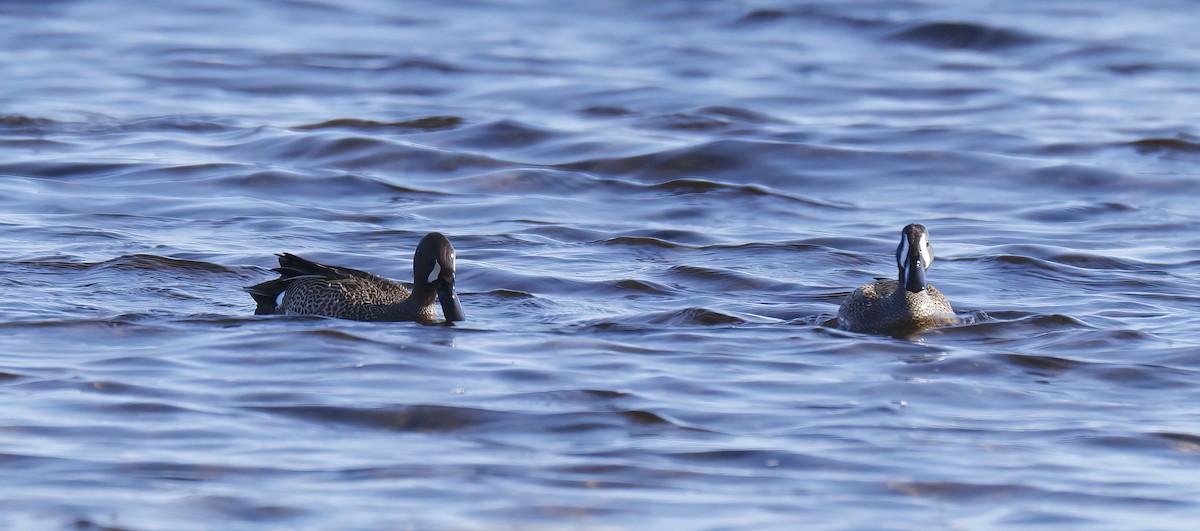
<point>363,297</point>
<point>880,308</point>
<point>904,306</point>
<point>308,288</point>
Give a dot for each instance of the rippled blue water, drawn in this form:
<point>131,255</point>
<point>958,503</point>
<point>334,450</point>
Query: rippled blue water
<point>657,208</point>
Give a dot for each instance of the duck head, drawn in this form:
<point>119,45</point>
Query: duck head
<point>433,269</point>
<point>913,257</point>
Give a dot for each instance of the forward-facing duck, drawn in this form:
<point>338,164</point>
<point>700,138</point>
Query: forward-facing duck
<point>309,288</point>
<point>903,306</point>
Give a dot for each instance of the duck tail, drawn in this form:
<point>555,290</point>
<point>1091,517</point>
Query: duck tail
<point>267,295</point>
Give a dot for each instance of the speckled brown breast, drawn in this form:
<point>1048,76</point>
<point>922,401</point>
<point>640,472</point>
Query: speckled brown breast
<point>878,308</point>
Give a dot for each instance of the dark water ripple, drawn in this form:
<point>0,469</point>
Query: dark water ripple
<point>657,208</point>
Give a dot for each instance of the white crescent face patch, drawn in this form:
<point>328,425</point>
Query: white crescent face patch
<point>437,271</point>
<point>922,246</point>
<point>926,256</point>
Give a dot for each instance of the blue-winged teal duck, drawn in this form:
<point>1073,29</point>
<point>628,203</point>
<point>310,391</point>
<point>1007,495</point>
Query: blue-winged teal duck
<point>901,306</point>
<point>309,288</point>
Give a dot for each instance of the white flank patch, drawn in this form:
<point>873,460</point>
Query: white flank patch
<point>437,270</point>
<point>279,299</point>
